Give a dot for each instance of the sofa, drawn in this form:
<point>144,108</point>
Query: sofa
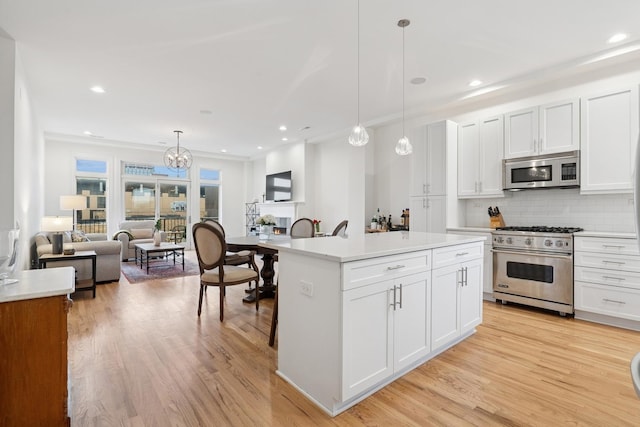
<point>107,251</point>
<point>136,231</point>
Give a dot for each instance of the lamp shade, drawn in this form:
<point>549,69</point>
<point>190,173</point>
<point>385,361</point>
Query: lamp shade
<point>56,223</point>
<point>68,203</point>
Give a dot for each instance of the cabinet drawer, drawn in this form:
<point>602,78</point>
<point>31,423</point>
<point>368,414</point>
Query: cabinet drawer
<point>459,253</point>
<point>360,273</point>
<point>608,300</point>
<point>608,262</point>
<point>607,277</point>
<point>606,245</point>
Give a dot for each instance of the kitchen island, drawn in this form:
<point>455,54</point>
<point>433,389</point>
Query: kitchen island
<point>357,313</point>
<point>33,343</point>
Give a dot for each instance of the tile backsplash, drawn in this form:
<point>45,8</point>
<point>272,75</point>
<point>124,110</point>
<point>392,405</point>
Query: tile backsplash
<point>557,207</point>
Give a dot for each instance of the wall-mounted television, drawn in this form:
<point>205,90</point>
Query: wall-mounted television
<point>279,187</point>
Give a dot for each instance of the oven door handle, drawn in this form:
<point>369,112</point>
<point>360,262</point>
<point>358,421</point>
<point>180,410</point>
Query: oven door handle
<point>546,254</point>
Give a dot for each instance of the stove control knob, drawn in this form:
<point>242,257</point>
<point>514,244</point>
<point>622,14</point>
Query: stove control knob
<point>499,239</point>
<point>528,241</point>
<point>559,243</point>
<point>548,242</point>
<point>509,240</point>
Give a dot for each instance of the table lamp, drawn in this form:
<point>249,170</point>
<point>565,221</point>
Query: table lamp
<point>55,225</point>
<point>71,203</point>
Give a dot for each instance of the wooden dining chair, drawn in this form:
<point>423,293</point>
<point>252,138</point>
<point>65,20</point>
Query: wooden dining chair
<point>211,249</point>
<point>239,258</point>
<point>302,227</point>
<point>341,229</point>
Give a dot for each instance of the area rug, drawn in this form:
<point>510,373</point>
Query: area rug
<point>135,274</point>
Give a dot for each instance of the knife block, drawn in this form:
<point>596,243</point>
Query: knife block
<point>496,221</point>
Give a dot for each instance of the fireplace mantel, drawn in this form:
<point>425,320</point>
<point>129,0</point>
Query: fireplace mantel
<point>284,212</point>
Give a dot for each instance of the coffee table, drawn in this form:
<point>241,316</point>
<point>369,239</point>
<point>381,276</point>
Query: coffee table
<point>149,251</point>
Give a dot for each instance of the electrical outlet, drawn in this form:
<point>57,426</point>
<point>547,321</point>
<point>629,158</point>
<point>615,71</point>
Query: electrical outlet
<point>306,288</point>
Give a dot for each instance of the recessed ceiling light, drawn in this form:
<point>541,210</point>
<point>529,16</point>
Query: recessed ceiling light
<point>474,83</point>
<point>224,150</point>
<point>162,143</point>
<point>206,112</point>
<point>617,38</point>
<point>285,139</point>
<point>259,147</point>
<point>283,128</point>
<point>97,89</point>
<point>86,132</point>
<point>418,80</point>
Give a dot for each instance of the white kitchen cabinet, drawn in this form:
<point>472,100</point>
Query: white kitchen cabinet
<point>480,152</point>
<point>456,294</point>
<point>607,281</point>
<point>609,126</point>
<point>546,129</point>
<point>385,329</point>
<point>487,263</point>
<point>428,162</point>
<point>428,213</point>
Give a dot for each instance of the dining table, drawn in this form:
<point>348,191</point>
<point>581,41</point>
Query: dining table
<point>267,273</point>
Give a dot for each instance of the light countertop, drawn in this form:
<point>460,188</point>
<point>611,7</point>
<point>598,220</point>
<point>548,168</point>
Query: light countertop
<point>366,246</point>
<point>470,229</point>
<point>43,283</point>
<point>611,234</point>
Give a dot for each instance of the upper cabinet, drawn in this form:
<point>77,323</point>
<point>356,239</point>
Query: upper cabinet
<point>428,172</point>
<point>480,152</point>
<point>609,125</point>
<point>550,128</point>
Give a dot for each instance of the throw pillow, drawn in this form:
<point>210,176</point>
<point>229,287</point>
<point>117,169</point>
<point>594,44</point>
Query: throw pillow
<point>142,233</point>
<point>78,236</point>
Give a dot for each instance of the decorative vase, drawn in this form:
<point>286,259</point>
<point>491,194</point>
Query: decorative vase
<point>317,227</point>
<point>156,237</point>
<point>266,230</point>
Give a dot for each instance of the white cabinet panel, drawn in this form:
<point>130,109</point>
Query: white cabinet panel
<point>611,301</point>
<point>444,301</point>
<point>471,296</point>
<point>480,152</point>
<point>368,338</point>
<point>411,322</point>
<point>428,161</point>
<point>609,129</point>
<point>428,214</point>
<point>546,129</point>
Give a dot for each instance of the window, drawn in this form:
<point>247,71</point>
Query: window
<point>91,181</point>
<point>210,194</point>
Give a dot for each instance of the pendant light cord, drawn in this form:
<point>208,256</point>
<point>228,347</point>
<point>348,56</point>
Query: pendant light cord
<point>358,67</point>
<point>403,133</point>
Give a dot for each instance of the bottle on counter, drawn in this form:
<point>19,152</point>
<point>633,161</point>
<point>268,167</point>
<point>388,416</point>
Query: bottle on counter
<point>402,218</point>
<point>389,223</point>
<point>406,218</point>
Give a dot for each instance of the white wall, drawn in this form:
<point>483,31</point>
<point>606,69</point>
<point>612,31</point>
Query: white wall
<point>60,179</point>
<point>7,142</point>
<point>290,157</point>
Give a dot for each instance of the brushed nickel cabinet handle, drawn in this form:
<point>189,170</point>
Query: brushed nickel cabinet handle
<point>612,300</point>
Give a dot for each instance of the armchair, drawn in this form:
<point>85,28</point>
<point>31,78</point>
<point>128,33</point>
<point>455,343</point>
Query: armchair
<point>132,232</point>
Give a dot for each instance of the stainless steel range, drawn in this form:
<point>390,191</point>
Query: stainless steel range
<point>534,266</point>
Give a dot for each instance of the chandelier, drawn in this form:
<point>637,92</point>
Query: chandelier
<point>176,157</point>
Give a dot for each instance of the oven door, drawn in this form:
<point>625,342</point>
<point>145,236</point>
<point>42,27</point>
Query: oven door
<point>542,276</point>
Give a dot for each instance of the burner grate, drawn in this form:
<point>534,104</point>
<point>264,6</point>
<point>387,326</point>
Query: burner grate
<point>541,229</point>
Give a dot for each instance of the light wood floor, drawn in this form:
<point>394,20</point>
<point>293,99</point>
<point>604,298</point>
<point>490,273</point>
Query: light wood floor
<point>140,356</point>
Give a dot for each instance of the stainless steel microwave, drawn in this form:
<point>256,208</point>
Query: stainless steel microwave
<point>560,170</point>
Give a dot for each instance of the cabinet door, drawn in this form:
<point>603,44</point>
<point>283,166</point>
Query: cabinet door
<point>436,182</point>
<point>468,154</point>
<point>436,214</point>
<point>492,151</point>
<point>419,169</point>
<point>444,305</point>
<point>418,219</point>
<point>410,320</point>
<point>470,307</point>
<point>609,128</point>
<point>559,129</point>
<point>367,337</point>
<point>521,133</point>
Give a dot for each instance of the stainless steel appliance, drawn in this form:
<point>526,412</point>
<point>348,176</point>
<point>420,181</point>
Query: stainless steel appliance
<point>556,170</point>
<point>534,266</point>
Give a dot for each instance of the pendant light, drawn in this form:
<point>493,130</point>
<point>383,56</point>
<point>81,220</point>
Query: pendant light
<point>176,158</point>
<point>403,147</point>
<point>359,135</point>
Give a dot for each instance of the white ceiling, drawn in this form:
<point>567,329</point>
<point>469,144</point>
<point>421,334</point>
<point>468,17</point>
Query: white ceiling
<point>257,64</point>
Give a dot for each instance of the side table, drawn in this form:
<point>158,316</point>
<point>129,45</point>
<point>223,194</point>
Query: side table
<point>79,255</point>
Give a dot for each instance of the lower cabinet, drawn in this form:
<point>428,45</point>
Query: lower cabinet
<point>386,328</point>
<point>456,301</point>
<point>607,281</point>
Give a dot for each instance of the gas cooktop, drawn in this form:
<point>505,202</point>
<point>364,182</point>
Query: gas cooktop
<point>541,229</point>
